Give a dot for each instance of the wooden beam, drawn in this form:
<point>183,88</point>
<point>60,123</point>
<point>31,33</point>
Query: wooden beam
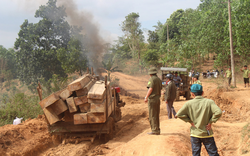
<point>59,107</point>
<point>79,83</point>
<point>84,108</point>
<point>97,91</point>
<point>49,100</point>
<point>51,115</point>
<point>71,105</point>
<point>80,100</point>
<point>81,92</point>
<point>80,118</point>
<point>65,94</point>
<point>94,117</point>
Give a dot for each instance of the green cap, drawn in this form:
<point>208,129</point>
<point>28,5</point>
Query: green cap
<point>152,70</point>
<point>196,88</point>
<point>196,76</point>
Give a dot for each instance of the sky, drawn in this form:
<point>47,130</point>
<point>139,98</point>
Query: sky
<point>107,14</point>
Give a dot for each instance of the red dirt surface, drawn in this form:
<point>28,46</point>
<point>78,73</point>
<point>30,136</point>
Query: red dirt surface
<point>32,136</point>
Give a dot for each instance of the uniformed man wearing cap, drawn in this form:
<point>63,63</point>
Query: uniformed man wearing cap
<point>228,74</point>
<point>196,81</point>
<point>200,113</point>
<point>246,75</point>
<point>153,98</point>
<point>170,95</point>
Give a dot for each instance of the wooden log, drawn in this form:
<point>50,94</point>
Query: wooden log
<point>50,115</point>
<point>81,92</point>
<point>65,94</point>
<point>97,91</point>
<point>80,100</point>
<point>49,100</point>
<point>84,107</point>
<point>97,107</point>
<point>90,84</point>
<point>59,107</point>
<point>71,105</point>
<point>80,118</point>
<point>68,117</point>
<point>84,91</point>
<point>96,117</point>
<point>79,83</point>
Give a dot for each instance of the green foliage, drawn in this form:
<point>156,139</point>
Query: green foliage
<point>54,84</point>
<point>151,57</point>
<point>108,67</point>
<point>72,58</point>
<point>20,105</point>
<point>133,34</point>
<point>37,44</point>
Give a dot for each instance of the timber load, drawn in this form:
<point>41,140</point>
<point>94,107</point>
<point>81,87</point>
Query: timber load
<point>86,100</point>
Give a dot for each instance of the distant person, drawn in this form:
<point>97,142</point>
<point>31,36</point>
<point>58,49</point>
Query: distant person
<point>246,75</point>
<point>200,113</point>
<point>170,95</point>
<point>228,74</point>
<point>196,80</point>
<point>153,98</point>
<point>177,79</point>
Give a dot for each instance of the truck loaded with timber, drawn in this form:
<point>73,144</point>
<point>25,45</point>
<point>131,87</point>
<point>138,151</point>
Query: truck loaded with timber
<point>87,108</point>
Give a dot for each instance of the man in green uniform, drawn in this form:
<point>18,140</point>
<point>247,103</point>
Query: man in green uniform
<point>228,74</point>
<point>170,95</point>
<point>200,113</point>
<point>246,75</point>
<point>153,98</point>
<point>196,81</point>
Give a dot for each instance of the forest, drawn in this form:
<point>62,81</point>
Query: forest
<point>52,51</point>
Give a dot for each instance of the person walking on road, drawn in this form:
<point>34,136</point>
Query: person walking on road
<point>153,98</point>
<point>228,74</point>
<point>170,95</point>
<point>196,80</point>
<point>246,75</point>
<point>200,113</point>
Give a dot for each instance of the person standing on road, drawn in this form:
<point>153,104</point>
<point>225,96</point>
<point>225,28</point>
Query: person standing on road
<point>246,75</point>
<point>196,80</point>
<point>200,113</point>
<point>228,74</point>
<point>153,98</point>
<point>170,95</point>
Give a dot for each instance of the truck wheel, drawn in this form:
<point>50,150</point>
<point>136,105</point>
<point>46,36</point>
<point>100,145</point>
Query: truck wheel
<point>110,134</point>
<point>177,98</point>
<point>187,95</point>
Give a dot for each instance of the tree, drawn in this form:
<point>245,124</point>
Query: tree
<point>37,44</point>
<point>133,34</point>
<point>73,58</point>
<point>108,67</point>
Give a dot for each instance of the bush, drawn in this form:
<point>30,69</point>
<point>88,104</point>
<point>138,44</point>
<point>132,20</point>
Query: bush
<point>20,105</point>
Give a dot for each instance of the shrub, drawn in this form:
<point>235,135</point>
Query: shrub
<point>20,105</point>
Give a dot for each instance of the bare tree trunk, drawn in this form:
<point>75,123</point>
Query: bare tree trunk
<point>231,45</point>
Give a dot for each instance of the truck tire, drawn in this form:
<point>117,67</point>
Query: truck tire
<point>187,95</point>
<point>110,134</point>
<point>177,98</point>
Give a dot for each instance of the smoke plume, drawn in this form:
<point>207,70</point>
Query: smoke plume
<point>84,19</point>
<point>93,40</point>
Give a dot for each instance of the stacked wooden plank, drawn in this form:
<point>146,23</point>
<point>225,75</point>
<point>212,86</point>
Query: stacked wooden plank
<point>84,101</point>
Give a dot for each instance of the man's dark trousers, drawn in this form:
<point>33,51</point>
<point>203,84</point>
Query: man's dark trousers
<point>209,144</point>
<point>154,112</point>
<point>170,108</point>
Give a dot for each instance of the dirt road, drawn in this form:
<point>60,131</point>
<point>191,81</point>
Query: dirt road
<point>231,131</point>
